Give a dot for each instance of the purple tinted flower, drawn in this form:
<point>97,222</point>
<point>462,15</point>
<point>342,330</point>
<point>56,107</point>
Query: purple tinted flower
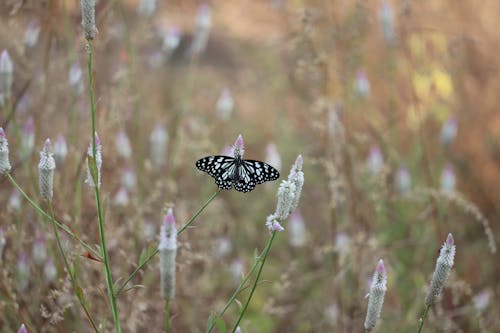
<point>376,296</point>
<point>386,16</point>
<point>296,177</point>
<point>449,131</point>
<point>238,147</point>
<point>273,156</point>
<point>375,160</point>
<point>403,180</point>
<point>168,251</point>
<point>122,144</point>
<point>171,40</point>
<point>121,197</point>
<point>444,264</point>
<point>6,74</point>
<point>31,34</point>
<point>286,196</point>
<point>22,329</point>
<point>46,170</point>
<point>448,180</point>
<point>60,149</point>
<point>225,104</point>
<point>362,85</point>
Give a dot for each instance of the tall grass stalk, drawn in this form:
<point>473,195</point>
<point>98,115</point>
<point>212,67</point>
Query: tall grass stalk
<point>422,319</point>
<point>155,252</point>
<point>254,286</point>
<point>47,215</point>
<point>76,289</point>
<point>105,256</point>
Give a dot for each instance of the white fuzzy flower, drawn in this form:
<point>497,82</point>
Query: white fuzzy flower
<point>444,264</point>
<point>46,170</point>
<point>168,251</point>
<point>98,162</point>
<point>376,296</point>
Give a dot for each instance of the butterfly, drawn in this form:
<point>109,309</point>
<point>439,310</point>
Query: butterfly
<point>244,175</point>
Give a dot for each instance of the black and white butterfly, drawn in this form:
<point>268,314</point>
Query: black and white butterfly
<point>244,175</point>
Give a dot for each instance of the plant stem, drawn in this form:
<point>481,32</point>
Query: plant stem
<point>155,252</point>
<point>59,225</point>
<point>167,315</point>
<point>105,256</point>
<point>238,290</point>
<point>424,316</point>
<point>265,253</point>
<point>78,292</point>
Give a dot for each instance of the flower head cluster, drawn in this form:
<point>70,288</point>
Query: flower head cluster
<point>98,163</point>
<point>6,74</point>
<point>46,169</point>
<point>88,18</point>
<point>443,267</point>
<point>168,251</point>
<point>289,193</point>
<point>376,296</point>
<point>4,153</point>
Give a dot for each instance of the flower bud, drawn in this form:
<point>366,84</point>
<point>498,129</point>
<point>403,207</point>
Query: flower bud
<point>46,169</point>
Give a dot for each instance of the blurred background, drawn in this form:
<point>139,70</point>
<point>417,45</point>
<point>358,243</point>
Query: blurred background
<point>392,104</point>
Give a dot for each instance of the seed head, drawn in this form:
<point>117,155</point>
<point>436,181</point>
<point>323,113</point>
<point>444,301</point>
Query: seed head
<point>88,18</point>
<point>46,169</point>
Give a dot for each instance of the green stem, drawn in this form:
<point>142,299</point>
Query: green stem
<point>59,225</point>
<point>266,252</point>
<point>155,252</point>
<point>238,290</point>
<point>167,315</point>
<point>424,316</point>
<point>107,268</point>
<point>78,292</point>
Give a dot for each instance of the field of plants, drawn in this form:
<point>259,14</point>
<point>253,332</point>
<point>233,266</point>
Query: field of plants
<point>381,117</point>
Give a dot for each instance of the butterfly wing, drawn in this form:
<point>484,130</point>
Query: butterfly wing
<point>220,167</point>
<point>254,172</point>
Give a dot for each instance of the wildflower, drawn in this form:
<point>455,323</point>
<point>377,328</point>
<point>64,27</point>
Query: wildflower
<point>225,104</point>
<point>203,25</point>
<point>273,156</point>
<point>482,300</point>
<point>121,197</point>
<point>227,150</point>
<point>49,270</point>
<point>386,16</point>
<point>362,84</point>
<point>448,180</point>
<point>98,163</point>
<point>159,145</point>
<point>60,149</point>
<point>31,34</point>
<point>403,180</point>
<point>296,176</point>
<point>39,251</point>
<point>4,153</point>
<point>122,145</point>
<point>23,271</point>
<point>88,18</point>
<point>129,179</point>
<point>223,247</point>
<point>6,74</point>
<point>15,200</point>
<point>28,138</point>
<point>75,78</point>
<point>147,8</point>
<point>444,264</point>
<point>376,296</point>
<point>238,147</point>
<point>297,230</point>
<point>375,160</point>
<point>3,242</point>
<point>22,329</point>
<point>148,230</point>
<point>46,169</point>
<point>449,131</point>
<point>236,270</point>
<point>238,330</point>
<point>286,196</point>
<point>168,251</point>
<point>171,40</point>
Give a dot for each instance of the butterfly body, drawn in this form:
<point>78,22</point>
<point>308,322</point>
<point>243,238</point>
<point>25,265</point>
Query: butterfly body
<point>236,172</point>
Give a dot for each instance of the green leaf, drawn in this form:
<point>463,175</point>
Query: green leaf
<point>221,325</point>
<point>211,320</point>
<point>92,168</point>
